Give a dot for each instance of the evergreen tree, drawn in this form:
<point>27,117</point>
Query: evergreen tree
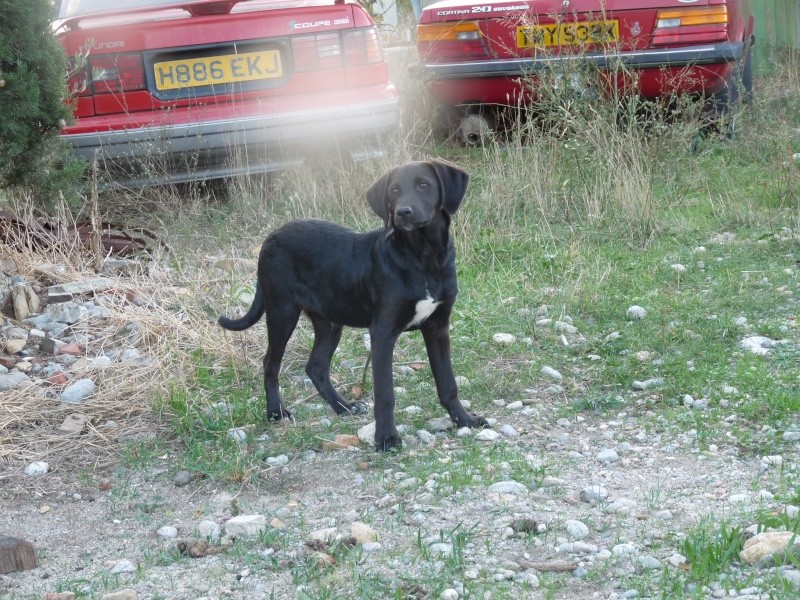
<point>33,90</point>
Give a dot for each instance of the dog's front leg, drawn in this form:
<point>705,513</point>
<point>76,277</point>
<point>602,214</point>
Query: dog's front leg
<point>382,342</point>
<point>437,343</point>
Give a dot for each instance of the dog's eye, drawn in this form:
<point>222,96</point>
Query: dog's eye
<point>423,185</point>
<point>394,191</point>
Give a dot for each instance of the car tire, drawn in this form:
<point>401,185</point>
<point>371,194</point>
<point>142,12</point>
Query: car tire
<point>747,77</point>
<point>477,129</point>
<point>722,107</point>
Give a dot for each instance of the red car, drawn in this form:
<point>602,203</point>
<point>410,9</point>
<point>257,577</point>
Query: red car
<point>183,90</point>
<point>489,52</point>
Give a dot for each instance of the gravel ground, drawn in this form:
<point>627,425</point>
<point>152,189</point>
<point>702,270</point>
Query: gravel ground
<point>494,536</point>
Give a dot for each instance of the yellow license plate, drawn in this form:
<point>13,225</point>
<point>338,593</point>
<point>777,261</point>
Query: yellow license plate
<point>568,34</point>
<point>215,70</point>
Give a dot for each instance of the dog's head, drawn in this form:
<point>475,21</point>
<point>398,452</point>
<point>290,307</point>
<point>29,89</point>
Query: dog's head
<point>411,195</point>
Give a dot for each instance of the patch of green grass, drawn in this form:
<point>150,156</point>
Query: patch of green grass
<point>710,549</point>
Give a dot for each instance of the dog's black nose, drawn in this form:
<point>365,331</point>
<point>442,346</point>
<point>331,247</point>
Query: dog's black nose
<point>404,211</point>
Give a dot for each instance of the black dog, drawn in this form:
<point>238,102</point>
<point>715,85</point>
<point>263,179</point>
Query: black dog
<point>395,279</point>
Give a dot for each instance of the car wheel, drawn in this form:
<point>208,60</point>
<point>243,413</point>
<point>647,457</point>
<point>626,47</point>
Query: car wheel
<point>476,129</point>
<point>747,77</point>
<point>724,104</point>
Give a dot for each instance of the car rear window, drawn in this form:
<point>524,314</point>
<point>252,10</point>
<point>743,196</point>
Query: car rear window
<point>78,8</point>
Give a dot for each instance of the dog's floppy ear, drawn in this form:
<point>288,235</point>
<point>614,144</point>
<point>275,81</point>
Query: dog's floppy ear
<point>376,196</point>
<point>453,183</point>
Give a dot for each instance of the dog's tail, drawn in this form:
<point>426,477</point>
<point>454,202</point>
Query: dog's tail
<point>249,319</point>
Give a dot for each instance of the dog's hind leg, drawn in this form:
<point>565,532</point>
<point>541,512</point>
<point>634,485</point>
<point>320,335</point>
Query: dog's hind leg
<point>280,325</point>
<point>437,343</point>
<point>318,368</point>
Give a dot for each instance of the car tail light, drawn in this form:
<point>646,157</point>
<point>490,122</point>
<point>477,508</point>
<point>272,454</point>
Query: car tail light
<point>452,40</point>
<point>117,73</point>
<point>691,25</point>
<point>362,47</point>
<point>314,52</point>
<point>78,79</point>
<point>354,48</point>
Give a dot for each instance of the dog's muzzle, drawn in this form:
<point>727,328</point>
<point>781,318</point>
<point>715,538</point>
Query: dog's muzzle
<point>406,218</point>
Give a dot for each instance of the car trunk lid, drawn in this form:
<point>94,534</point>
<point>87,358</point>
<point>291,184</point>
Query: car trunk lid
<point>509,29</point>
<point>145,60</point>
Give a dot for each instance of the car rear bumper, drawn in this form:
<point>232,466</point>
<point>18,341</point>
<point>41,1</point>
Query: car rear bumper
<point>212,143</point>
<point>705,54</point>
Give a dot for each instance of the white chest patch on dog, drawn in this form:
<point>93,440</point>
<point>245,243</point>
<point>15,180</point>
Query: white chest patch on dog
<point>423,310</point>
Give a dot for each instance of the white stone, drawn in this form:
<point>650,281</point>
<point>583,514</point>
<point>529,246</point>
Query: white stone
<point>67,312</point>
<point>78,391</point>
<point>123,566</point>
<point>487,435</point>
<point>594,493</point>
<point>426,437</point>
<point>37,469</point>
<point>793,576</point>
<point>565,327</point>
<point>440,424</point>
<point>607,455</point>
<point>246,525</point>
<point>636,312</point>
<point>576,529</point>
<point>278,461</point>
<point>167,531</point>
<point>237,435</point>
<point>577,548</point>
<point>676,560</point>
<point>327,534</point>
<point>649,563</point>
<point>503,339</point>
<point>648,383</point>
<point>441,548</point>
<point>623,549</point>
<point>367,433</point>
<point>209,530</point>
<point>551,373</point>
<point>508,487</point>
<point>757,344</point>
<point>509,432</point>
<point>371,546</point>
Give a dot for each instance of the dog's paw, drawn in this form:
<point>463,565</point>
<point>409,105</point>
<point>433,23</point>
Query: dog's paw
<point>280,415</point>
<point>472,421</point>
<point>385,443</point>
<point>357,408</point>
<point>345,409</point>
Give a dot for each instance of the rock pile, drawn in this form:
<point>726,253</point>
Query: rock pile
<point>58,339</point>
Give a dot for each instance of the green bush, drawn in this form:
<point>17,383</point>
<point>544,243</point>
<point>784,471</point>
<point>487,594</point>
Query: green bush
<point>32,93</point>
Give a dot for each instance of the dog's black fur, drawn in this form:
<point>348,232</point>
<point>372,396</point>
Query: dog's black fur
<point>395,279</point>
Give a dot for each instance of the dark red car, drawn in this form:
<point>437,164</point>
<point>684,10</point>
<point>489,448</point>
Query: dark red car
<point>182,90</point>
<point>490,52</point>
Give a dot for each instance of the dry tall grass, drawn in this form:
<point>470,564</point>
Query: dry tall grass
<point>605,177</point>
